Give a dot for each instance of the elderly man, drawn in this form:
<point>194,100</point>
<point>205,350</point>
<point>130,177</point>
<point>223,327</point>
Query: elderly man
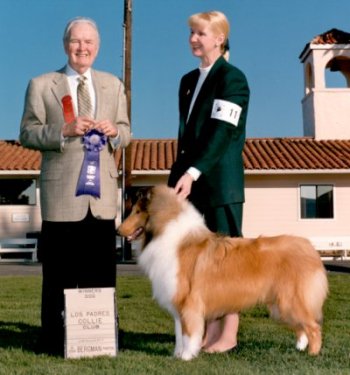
<point>77,117</point>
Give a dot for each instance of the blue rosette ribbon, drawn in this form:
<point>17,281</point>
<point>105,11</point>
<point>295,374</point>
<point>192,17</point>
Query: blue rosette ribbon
<point>89,179</point>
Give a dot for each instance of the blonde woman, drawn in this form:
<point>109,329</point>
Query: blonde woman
<point>213,105</point>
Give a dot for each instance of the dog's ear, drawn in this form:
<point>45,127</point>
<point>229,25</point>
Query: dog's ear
<point>143,192</point>
<point>150,193</point>
<point>143,196</point>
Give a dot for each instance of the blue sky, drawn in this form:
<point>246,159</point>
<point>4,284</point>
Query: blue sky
<point>266,39</point>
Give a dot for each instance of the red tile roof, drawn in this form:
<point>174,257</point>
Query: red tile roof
<point>259,154</point>
<point>333,36</point>
<point>296,153</point>
<point>14,157</point>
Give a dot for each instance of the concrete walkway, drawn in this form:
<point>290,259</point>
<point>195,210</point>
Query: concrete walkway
<point>132,269</point>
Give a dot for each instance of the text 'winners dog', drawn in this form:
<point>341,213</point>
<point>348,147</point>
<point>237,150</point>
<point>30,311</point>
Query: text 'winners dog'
<point>198,275</point>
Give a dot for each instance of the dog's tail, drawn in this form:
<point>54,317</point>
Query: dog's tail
<point>316,292</point>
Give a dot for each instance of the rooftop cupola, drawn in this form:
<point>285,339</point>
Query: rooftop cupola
<point>326,106</point>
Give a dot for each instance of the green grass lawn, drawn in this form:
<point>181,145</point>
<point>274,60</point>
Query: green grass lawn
<point>147,337</point>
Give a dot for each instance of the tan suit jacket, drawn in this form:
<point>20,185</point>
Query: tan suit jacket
<point>41,129</point>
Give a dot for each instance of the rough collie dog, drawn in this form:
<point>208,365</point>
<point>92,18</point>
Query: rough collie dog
<point>198,275</point>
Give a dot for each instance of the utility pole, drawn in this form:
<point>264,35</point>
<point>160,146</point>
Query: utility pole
<point>126,154</point>
<point>127,51</point>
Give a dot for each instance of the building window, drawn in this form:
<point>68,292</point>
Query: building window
<point>18,191</point>
<point>316,201</point>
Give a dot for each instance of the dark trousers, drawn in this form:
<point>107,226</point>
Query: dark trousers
<point>73,255</point>
<point>226,219</point>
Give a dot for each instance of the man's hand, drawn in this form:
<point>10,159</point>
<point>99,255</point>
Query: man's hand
<point>106,127</point>
<point>78,127</point>
<point>82,125</point>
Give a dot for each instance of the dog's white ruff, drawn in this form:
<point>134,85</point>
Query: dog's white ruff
<point>159,260</point>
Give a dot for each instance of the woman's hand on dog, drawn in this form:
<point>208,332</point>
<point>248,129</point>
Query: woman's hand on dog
<point>184,186</point>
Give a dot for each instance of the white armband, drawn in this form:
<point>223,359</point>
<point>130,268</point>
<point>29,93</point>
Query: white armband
<point>226,111</point>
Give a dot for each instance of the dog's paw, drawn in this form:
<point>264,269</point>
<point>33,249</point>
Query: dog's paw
<point>177,352</point>
<point>187,355</point>
<point>302,342</point>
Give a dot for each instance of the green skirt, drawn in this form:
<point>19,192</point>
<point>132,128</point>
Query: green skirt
<point>226,219</point>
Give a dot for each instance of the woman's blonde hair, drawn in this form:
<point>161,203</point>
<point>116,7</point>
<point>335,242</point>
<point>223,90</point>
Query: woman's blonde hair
<point>217,21</point>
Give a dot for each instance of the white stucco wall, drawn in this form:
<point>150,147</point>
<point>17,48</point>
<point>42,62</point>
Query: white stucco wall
<point>272,206</point>
<point>326,114</point>
<point>18,220</point>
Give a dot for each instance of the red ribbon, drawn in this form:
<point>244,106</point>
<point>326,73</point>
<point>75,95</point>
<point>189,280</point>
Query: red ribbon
<point>68,110</point>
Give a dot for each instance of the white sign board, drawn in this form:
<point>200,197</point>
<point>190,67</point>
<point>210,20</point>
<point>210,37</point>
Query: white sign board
<point>20,218</point>
<point>90,322</point>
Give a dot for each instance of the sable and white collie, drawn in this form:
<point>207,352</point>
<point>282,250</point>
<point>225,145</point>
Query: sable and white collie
<point>198,275</point>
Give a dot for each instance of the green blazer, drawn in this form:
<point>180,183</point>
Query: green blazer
<point>211,143</point>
